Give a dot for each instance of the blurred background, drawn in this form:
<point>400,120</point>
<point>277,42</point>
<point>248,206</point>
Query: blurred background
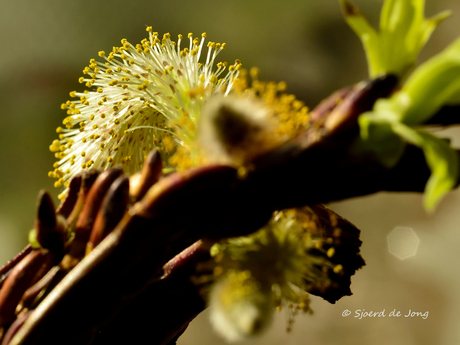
<point>47,43</point>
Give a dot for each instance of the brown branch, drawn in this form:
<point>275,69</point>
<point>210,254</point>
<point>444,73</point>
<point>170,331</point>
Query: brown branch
<point>105,298</point>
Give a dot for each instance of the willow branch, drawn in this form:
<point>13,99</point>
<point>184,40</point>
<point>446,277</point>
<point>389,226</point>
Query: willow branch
<point>103,296</point>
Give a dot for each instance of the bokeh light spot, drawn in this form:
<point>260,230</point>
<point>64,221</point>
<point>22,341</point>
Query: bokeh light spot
<point>403,242</point>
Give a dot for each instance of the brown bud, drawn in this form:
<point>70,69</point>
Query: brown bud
<point>50,233</point>
<point>111,211</point>
<point>188,258</point>
<point>18,282</point>
<point>345,116</point>
<point>319,114</point>
<point>94,199</point>
<point>87,180</point>
<point>46,217</point>
<point>149,175</point>
<point>67,205</point>
<point>89,211</point>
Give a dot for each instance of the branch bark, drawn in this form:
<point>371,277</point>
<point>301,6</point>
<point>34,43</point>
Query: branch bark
<point>113,294</point>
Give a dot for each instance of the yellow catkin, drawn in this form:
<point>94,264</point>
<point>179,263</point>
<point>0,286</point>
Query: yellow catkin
<point>112,123</point>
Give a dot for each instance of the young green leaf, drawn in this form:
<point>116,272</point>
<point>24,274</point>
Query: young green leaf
<point>403,33</point>
<point>379,138</point>
<point>434,84</point>
<point>441,159</point>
